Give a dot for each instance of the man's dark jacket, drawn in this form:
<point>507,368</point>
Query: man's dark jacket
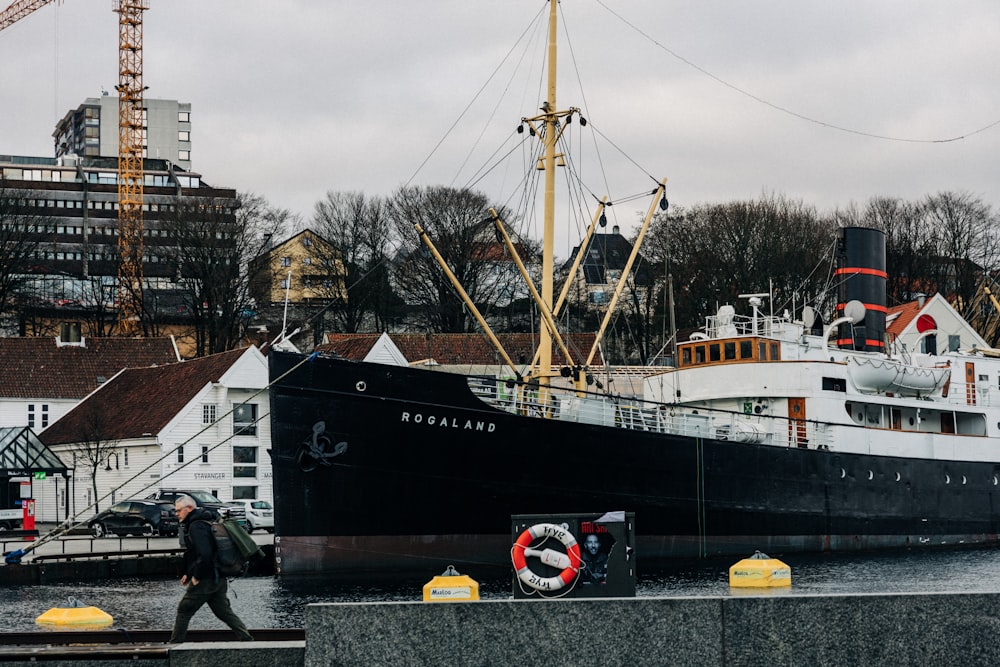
<point>199,545</point>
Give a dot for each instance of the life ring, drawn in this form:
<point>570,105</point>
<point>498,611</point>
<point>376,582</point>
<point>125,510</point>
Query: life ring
<point>569,561</point>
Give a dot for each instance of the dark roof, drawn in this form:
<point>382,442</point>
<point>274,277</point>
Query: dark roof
<point>609,251</point>
<point>140,400</point>
<point>457,349</point>
<point>22,453</point>
<point>38,368</point>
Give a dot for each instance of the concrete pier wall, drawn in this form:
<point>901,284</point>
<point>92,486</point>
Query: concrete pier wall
<point>781,629</point>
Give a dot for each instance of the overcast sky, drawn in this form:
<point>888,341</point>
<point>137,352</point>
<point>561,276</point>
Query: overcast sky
<point>726,99</point>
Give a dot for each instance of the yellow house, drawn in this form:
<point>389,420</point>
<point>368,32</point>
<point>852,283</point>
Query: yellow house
<point>306,267</point>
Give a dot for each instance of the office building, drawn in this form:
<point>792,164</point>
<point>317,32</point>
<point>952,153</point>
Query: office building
<point>91,130</point>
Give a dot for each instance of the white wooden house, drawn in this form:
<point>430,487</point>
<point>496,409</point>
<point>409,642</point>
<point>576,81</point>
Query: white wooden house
<point>42,378</point>
<point>198,424</point>
<point>926,325</point>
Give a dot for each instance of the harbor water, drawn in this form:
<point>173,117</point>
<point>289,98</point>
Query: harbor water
<point>279,602</point>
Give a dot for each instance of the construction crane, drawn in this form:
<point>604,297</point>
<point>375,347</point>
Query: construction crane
<point>130,150</point>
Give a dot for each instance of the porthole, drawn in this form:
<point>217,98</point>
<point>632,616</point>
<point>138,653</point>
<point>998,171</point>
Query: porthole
<point>911,421</point>
<point>871,475</point>
<point>897,477</point>
<point>964,480</point>
<point>996,480</point>
<point>843,473</point>
<point>947,478</point>
<point>361,386</point>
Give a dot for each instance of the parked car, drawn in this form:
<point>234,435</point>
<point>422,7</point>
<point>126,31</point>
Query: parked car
<point>135,517</point>
<point>260,514</point>
<point>202,499</point>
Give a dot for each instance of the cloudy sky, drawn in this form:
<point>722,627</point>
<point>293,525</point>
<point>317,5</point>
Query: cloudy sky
<point>830,102</point>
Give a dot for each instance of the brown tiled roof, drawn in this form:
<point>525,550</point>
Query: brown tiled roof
<point>38,368</point>
<point>904,315</point>
<point>457,349</point>
<point>140,400</point>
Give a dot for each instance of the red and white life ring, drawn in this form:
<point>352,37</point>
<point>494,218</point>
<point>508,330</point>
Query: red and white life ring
<point>569,561</point>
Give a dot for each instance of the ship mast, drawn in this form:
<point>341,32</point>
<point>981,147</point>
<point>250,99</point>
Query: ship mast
<point>551,118</point>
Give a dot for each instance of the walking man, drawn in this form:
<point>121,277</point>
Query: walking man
<point>200,576</point>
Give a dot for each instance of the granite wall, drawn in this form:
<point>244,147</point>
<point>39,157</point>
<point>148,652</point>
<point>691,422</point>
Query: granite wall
<point>768,629</point>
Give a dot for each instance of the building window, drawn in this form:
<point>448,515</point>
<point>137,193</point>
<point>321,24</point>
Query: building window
<point>307,261</point>
<point>180,454</point>
<point>184,155</point>
<point>244,462</point>
<point>286,261</point>
<point>183,135</point>
<point>183,116</point>
<point>306,241</point>
<point>245,419</point>
<point>45,415</point>
<point>204,453</point>
<point>207,414</point>
<point>125,453</point>
<point>244,493</point>
<point>31,415</point>
<point>284,283</point>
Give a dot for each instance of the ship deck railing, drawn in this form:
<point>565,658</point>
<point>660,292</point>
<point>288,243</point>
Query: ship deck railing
<point>640,415</point>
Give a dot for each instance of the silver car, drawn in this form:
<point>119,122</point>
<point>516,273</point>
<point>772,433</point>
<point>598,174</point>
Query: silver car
<point>260,514</point>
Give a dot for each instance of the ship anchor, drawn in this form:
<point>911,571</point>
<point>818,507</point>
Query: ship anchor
<point>318,449</point>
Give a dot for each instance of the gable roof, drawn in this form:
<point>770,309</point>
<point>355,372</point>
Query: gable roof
<point>899,317</point>
<point>39,368</point>
<point>140,401</point>
<point>455,349</point>
<point>609,252</point>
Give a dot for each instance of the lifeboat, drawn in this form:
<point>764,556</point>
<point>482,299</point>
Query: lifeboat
<point>881,375</point>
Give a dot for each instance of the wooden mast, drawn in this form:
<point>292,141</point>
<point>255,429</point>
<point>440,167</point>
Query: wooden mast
<point>544,370</point>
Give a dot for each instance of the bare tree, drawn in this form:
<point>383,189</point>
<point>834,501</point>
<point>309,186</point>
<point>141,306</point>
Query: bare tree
<point>459,224</point>
<point>359,229</point>
<point>718,251</point>
<point>92,447</point>
<point>967,241</point>
<point>20,235</point>
<point>212,245</point>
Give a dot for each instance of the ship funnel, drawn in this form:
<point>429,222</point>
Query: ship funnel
<point>861,270</point>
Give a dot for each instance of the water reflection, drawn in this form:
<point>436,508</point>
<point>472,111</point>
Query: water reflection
<point>270,602</point>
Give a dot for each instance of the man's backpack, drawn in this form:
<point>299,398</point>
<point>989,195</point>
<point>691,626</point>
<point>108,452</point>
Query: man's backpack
<point>234,548</point>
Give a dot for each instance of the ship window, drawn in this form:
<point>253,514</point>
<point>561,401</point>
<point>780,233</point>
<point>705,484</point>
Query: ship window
<point>714,352</point>
<point>761,351</point>
<point>954,342</point>
<point>729,350</point>
<point>685,356</point>
<point>774,352</point>
<point>699,354</point>
<point>746,349</point>
<point>833,384</point>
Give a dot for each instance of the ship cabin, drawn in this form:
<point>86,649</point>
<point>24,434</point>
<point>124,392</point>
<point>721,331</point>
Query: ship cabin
<point>701,352</point>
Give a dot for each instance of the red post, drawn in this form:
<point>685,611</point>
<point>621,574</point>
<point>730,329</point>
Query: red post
<point>29,515</point>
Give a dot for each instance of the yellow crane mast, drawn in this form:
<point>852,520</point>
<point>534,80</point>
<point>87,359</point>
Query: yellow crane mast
<point>130,165</point>
<point>130,151</point>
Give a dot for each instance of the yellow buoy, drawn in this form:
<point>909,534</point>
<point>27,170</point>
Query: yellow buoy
<point>77,615</point>
<point>760,571</point>
<point>451,586</point>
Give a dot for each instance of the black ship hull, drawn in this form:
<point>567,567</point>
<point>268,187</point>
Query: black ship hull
<point>378,467</point>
